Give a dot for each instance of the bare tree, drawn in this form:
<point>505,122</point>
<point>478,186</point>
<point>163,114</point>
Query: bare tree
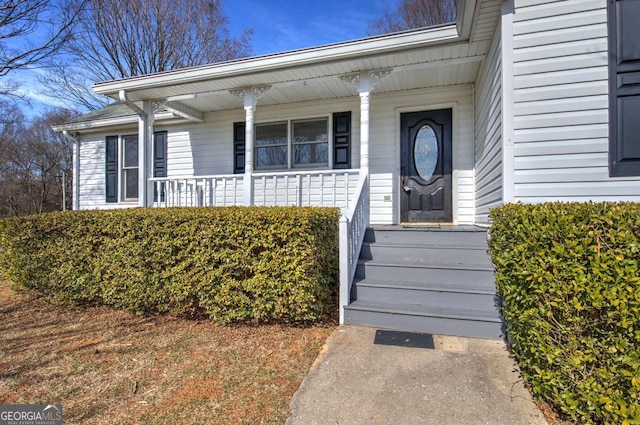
<point>412,14</point>
<point>35,162</point>
<point>125,38</point>
<point>20,19</point>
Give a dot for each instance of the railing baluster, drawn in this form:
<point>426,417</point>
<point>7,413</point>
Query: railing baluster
<point>298,190</point>
<point>346,190</point>
<point>275,189</point>
<point>234,183</point>
<point>334,188</point>
<point>286,190</point>
<point>224,191</point>
<point>321,182</point>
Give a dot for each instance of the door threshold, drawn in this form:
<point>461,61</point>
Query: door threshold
<point>426,224</point>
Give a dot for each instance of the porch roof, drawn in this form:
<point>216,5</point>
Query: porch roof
<point>428,57</point>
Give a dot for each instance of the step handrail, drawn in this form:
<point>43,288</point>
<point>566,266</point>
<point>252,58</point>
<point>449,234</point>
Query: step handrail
<point>352,227</point>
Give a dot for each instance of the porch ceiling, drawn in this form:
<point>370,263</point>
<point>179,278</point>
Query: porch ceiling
<point>442,66</point>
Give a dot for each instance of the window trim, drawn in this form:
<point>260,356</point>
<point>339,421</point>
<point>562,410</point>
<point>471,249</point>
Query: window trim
<point>115,167</point>
<point>124,168</point>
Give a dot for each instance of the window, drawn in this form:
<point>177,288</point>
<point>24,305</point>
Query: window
<point>271,145</point>
<point>122,168</point>
<point>310,143</point>
<point>624,88</point>
<point>130,167</point>
<point>301,143</point>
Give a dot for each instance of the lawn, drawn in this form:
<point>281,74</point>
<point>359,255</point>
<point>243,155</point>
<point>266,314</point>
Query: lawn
<point>106,366</point>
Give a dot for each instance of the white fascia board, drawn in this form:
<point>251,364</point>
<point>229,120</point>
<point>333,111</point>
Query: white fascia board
<point>466,10</point>
<point>96,125</point>
<point>323,54</point>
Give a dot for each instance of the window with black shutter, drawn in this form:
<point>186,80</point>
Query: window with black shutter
<point>624,88</point>
<point>302,143</point>
<point>122,168</point>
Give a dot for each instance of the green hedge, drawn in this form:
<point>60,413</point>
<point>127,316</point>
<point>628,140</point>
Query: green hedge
<point>228,264</point>
<point>569,282</point>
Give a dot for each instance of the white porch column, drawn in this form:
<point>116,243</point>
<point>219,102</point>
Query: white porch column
<point>365,81</point>
<point>249,142</point>
<point>250,96</point>
<point>364,131</point>
<point>145,141</point>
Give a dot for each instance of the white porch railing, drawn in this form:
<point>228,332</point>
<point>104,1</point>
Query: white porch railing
<point>353,225</point>
<point>202,191</point>
<point>321,188</point>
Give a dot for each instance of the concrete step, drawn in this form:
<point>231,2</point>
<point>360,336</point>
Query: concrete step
<point>417,318</point>
<point>462,296</point>
<point>452,255</point>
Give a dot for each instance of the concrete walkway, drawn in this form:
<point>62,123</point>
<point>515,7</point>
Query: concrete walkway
<point>460,381</point>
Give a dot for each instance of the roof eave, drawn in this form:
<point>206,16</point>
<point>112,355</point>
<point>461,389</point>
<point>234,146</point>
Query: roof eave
<point>93,125</point>
<point>323,54</point>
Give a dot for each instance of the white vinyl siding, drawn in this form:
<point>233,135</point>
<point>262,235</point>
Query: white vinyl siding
<point>561,103</point>
<point>488,133</point>
<point>202,149</point>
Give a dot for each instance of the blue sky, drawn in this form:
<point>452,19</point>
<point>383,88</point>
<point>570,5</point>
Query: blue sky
<point>278,25</point>
<point>289,24</point>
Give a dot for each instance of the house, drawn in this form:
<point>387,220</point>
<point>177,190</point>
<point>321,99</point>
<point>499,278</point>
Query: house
<point>521,100</point>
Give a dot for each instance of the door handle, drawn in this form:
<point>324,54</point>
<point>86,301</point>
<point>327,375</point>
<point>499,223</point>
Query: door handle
<point>402,181</point>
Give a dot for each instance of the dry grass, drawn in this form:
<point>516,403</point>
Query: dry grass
<point>106,366</point>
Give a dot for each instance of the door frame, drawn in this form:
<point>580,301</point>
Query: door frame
<point>454,149</point>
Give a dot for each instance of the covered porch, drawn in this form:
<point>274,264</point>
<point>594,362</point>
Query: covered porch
<point>326,126</point>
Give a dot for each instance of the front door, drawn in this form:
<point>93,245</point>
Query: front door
<point>425,167</point>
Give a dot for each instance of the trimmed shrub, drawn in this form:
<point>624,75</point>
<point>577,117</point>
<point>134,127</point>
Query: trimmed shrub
<point>568,279</point>
<point>229,264</point>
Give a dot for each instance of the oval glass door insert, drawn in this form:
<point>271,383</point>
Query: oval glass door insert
<point>425,152</point>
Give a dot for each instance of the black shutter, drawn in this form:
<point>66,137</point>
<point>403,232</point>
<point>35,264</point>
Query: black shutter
<point>624,88</point>
<point>159,161</point>
<point>342,140</point>
<point>238,147</point>
<point>111,162</point>
<point>160,154</point>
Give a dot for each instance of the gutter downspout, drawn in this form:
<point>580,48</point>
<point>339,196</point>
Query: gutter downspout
<point>145,140</point>
<point>76,168</point>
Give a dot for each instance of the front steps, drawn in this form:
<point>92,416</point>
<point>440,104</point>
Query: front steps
<point>435,279</point>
